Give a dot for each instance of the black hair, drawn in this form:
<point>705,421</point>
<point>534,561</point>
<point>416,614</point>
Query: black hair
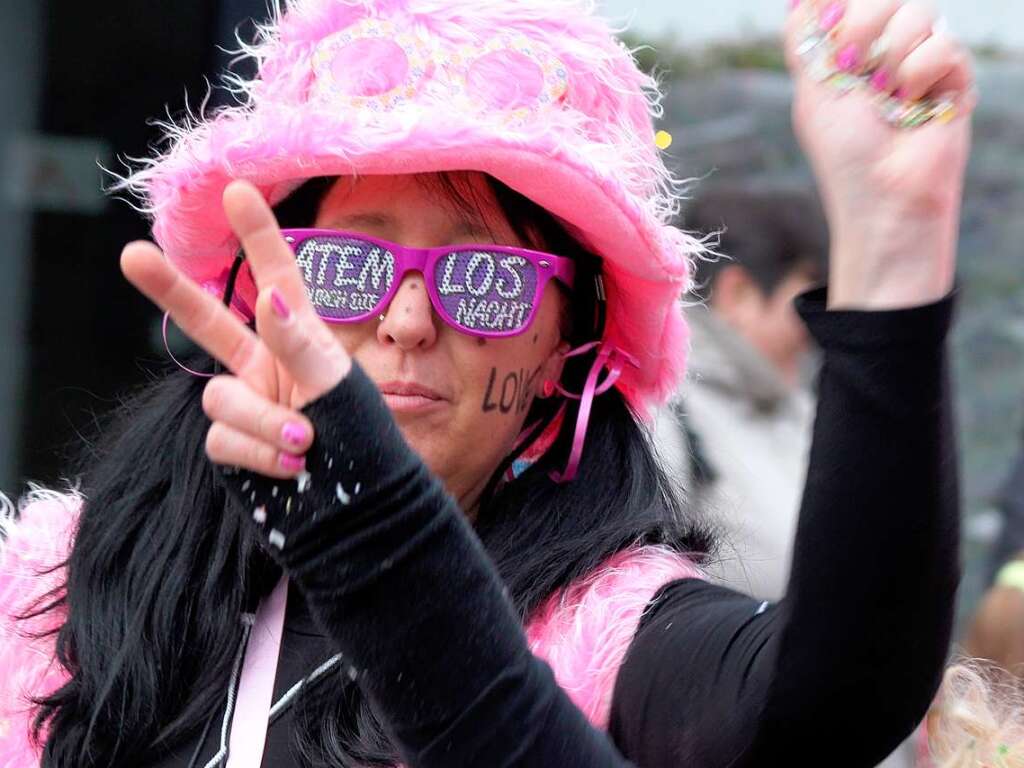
<point>161,569</point>
<point>769,233</point>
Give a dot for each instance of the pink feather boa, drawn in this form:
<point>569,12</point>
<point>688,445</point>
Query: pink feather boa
<point>583,632</point>
<point>39,541</point>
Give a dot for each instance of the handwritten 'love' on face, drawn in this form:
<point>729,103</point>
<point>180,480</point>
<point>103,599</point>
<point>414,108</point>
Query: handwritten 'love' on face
<point>514,394</point>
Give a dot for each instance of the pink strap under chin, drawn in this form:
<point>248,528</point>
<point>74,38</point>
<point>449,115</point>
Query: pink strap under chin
<point>256,686</point>
<point>610,357</point>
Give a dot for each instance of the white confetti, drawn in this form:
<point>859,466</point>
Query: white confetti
<point>304,480</point>
<point>330,462</point>
<point>288,506</point>
<point>276,539</point>
<point>246,485</point>
<point>358,488</point>
<point>273,492</point>
<point>260,515</point>
<point>252,497</point>
<point>351,463</point>
<point>353,673</point>
<point>343,497</point>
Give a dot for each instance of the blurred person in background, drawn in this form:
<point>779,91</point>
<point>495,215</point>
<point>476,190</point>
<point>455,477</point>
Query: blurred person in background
<point>746,405</point>
<point>996,632</point>
<point>976,721</point>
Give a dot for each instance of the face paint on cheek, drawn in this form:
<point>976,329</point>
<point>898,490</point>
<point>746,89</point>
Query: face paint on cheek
<point>514,393</point>
<point>528,391</point>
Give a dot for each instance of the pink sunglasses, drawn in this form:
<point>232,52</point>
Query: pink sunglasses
<point>481,290</point>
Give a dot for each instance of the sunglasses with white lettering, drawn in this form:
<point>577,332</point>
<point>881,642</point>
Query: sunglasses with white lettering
<point>481,290</point>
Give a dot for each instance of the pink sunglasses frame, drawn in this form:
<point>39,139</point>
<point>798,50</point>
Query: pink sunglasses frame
<point>425,260</point>
<point>608,358</point>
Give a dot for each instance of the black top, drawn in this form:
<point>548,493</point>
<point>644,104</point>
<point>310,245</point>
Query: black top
<point>837,673</point>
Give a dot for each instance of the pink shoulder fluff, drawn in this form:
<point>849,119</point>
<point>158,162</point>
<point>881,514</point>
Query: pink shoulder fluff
<point>582,632</point>
<point>585,631</point>
<point>33,546</point>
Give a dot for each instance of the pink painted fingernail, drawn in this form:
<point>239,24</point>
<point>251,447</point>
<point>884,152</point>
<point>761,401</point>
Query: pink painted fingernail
<point>294,433</point>
<point>279,304</point>
<point>848,58</point>
<point>292,463</point>
<point>832,15</point>
<point>880,80</point>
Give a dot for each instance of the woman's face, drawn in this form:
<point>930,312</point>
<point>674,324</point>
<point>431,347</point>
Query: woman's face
<point>460,401</point>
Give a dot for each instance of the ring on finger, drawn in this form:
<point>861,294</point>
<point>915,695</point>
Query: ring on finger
<point>817,52</point>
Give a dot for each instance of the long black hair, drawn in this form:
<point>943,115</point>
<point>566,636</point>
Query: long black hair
<point>161,569</point>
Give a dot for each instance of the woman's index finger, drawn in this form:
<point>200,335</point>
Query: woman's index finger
<point>271,261</point>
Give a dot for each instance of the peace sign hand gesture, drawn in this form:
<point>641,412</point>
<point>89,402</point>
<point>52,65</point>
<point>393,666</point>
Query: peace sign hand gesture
<point>291,360</point>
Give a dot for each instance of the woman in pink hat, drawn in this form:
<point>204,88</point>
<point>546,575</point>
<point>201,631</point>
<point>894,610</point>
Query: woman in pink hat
<point>414,519</point>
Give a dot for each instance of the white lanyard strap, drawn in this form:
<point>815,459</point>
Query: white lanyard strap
<point>256,686</point>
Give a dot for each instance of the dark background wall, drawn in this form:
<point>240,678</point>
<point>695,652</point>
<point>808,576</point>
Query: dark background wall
<point>20,43</point>
<point>79,81</point>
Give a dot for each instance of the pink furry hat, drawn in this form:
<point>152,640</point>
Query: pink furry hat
<point>537,93</point>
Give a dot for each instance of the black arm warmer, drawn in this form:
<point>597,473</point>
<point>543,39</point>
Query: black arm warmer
<point>400,582</point>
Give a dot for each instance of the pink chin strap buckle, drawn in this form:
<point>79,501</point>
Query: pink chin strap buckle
<point>611,357</point>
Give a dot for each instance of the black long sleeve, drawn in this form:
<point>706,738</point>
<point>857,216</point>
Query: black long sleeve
<point>844,667</point>
<point>838,672</point>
